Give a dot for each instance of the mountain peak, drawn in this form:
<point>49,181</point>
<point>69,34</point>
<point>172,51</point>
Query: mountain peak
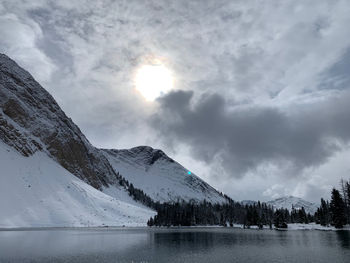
<point>144,155</point>
<point>289,202</point>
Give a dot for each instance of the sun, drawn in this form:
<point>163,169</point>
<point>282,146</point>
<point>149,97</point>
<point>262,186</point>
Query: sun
<point>153,80</point>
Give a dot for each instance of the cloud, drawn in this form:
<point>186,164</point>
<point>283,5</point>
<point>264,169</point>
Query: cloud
<point>18,40</point>
<point>275,191</point>
<point>242,66</point>
<point>244,138</point>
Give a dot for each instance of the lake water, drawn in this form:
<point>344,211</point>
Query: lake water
<point>174,245</point>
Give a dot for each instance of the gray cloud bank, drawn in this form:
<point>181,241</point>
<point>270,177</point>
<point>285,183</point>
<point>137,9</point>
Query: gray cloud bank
<point>243,138</point>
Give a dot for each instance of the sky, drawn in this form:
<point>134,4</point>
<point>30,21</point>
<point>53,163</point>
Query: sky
<point>260,102</point>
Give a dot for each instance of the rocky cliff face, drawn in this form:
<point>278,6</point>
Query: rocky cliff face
<point>31,120</point>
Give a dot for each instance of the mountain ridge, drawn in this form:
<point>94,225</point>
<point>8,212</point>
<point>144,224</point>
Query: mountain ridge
<point>32,122</point>
<point>166,178</point>
<point>290,202</point>
<point>287,202</point>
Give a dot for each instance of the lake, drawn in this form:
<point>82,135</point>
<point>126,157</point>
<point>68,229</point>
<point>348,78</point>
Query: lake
<point>173,245</point>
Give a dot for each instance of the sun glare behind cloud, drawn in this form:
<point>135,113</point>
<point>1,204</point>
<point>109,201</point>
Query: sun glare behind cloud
<point>153,81</point>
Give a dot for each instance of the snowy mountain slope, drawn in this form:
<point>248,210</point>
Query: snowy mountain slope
<point>291,201</point>
<point>31,121</point>
<point>36,191</point>
<point>159,176</point>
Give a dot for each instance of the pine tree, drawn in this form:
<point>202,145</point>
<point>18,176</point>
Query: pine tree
<point>280,218</point>
<point>345,189</point>
<point>337,209</point>
<point>347,193</point>
<point>150,222</point>
<point>323,215</point>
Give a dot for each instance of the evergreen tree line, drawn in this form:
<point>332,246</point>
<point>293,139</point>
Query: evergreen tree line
<point>205,213</point>
<point>282,217</point>
<point>337,211</point>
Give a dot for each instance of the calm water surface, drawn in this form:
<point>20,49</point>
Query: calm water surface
<point>174,245</point>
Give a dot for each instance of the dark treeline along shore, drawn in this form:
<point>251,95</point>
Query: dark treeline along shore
<point>204,213</point>
<point>335,212</point>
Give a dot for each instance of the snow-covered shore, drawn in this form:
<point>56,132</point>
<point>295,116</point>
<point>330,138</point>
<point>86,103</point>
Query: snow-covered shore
<point>313,226</point>
<point>295,226</point>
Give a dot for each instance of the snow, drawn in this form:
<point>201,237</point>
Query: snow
<point>311,226</point>
<point>159,176</point>
<point>36,191</point>
<point>122,195</point>
<point>288,202</point>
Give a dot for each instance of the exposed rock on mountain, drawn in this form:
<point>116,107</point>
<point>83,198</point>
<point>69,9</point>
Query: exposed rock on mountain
<point>31,120</point>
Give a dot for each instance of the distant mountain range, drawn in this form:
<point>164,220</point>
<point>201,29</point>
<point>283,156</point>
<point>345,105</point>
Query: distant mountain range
<point>55,177</point>
<point>288,202</point>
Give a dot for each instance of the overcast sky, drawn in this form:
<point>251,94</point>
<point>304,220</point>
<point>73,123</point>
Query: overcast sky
<point>261,100</point>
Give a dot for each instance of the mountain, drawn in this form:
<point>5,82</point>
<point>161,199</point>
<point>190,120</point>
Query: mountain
<point>33,125</point>
<point>32,121</point>
<point>291,201</point>
<point>159,176</point>
<point>36,191</point>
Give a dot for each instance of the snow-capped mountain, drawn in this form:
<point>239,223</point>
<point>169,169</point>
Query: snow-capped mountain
<point>36,191</point>
<point>33,126</point>
<point>289,202</point>
<point>159,176</point>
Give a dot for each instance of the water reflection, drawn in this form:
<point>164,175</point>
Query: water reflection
<point>344,238</point>
<point>67,243</point>
<point>174,245</point>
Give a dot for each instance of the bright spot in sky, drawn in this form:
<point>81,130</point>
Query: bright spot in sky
<point>189,172</point>
<point>153,81</point>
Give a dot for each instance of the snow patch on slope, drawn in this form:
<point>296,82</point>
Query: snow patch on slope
<point>35,191</point>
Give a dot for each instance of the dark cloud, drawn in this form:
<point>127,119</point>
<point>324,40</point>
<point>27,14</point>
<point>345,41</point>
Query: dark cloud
<point>244,138</point>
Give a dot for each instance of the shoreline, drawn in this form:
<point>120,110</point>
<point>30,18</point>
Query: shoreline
<point>291,227</point>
